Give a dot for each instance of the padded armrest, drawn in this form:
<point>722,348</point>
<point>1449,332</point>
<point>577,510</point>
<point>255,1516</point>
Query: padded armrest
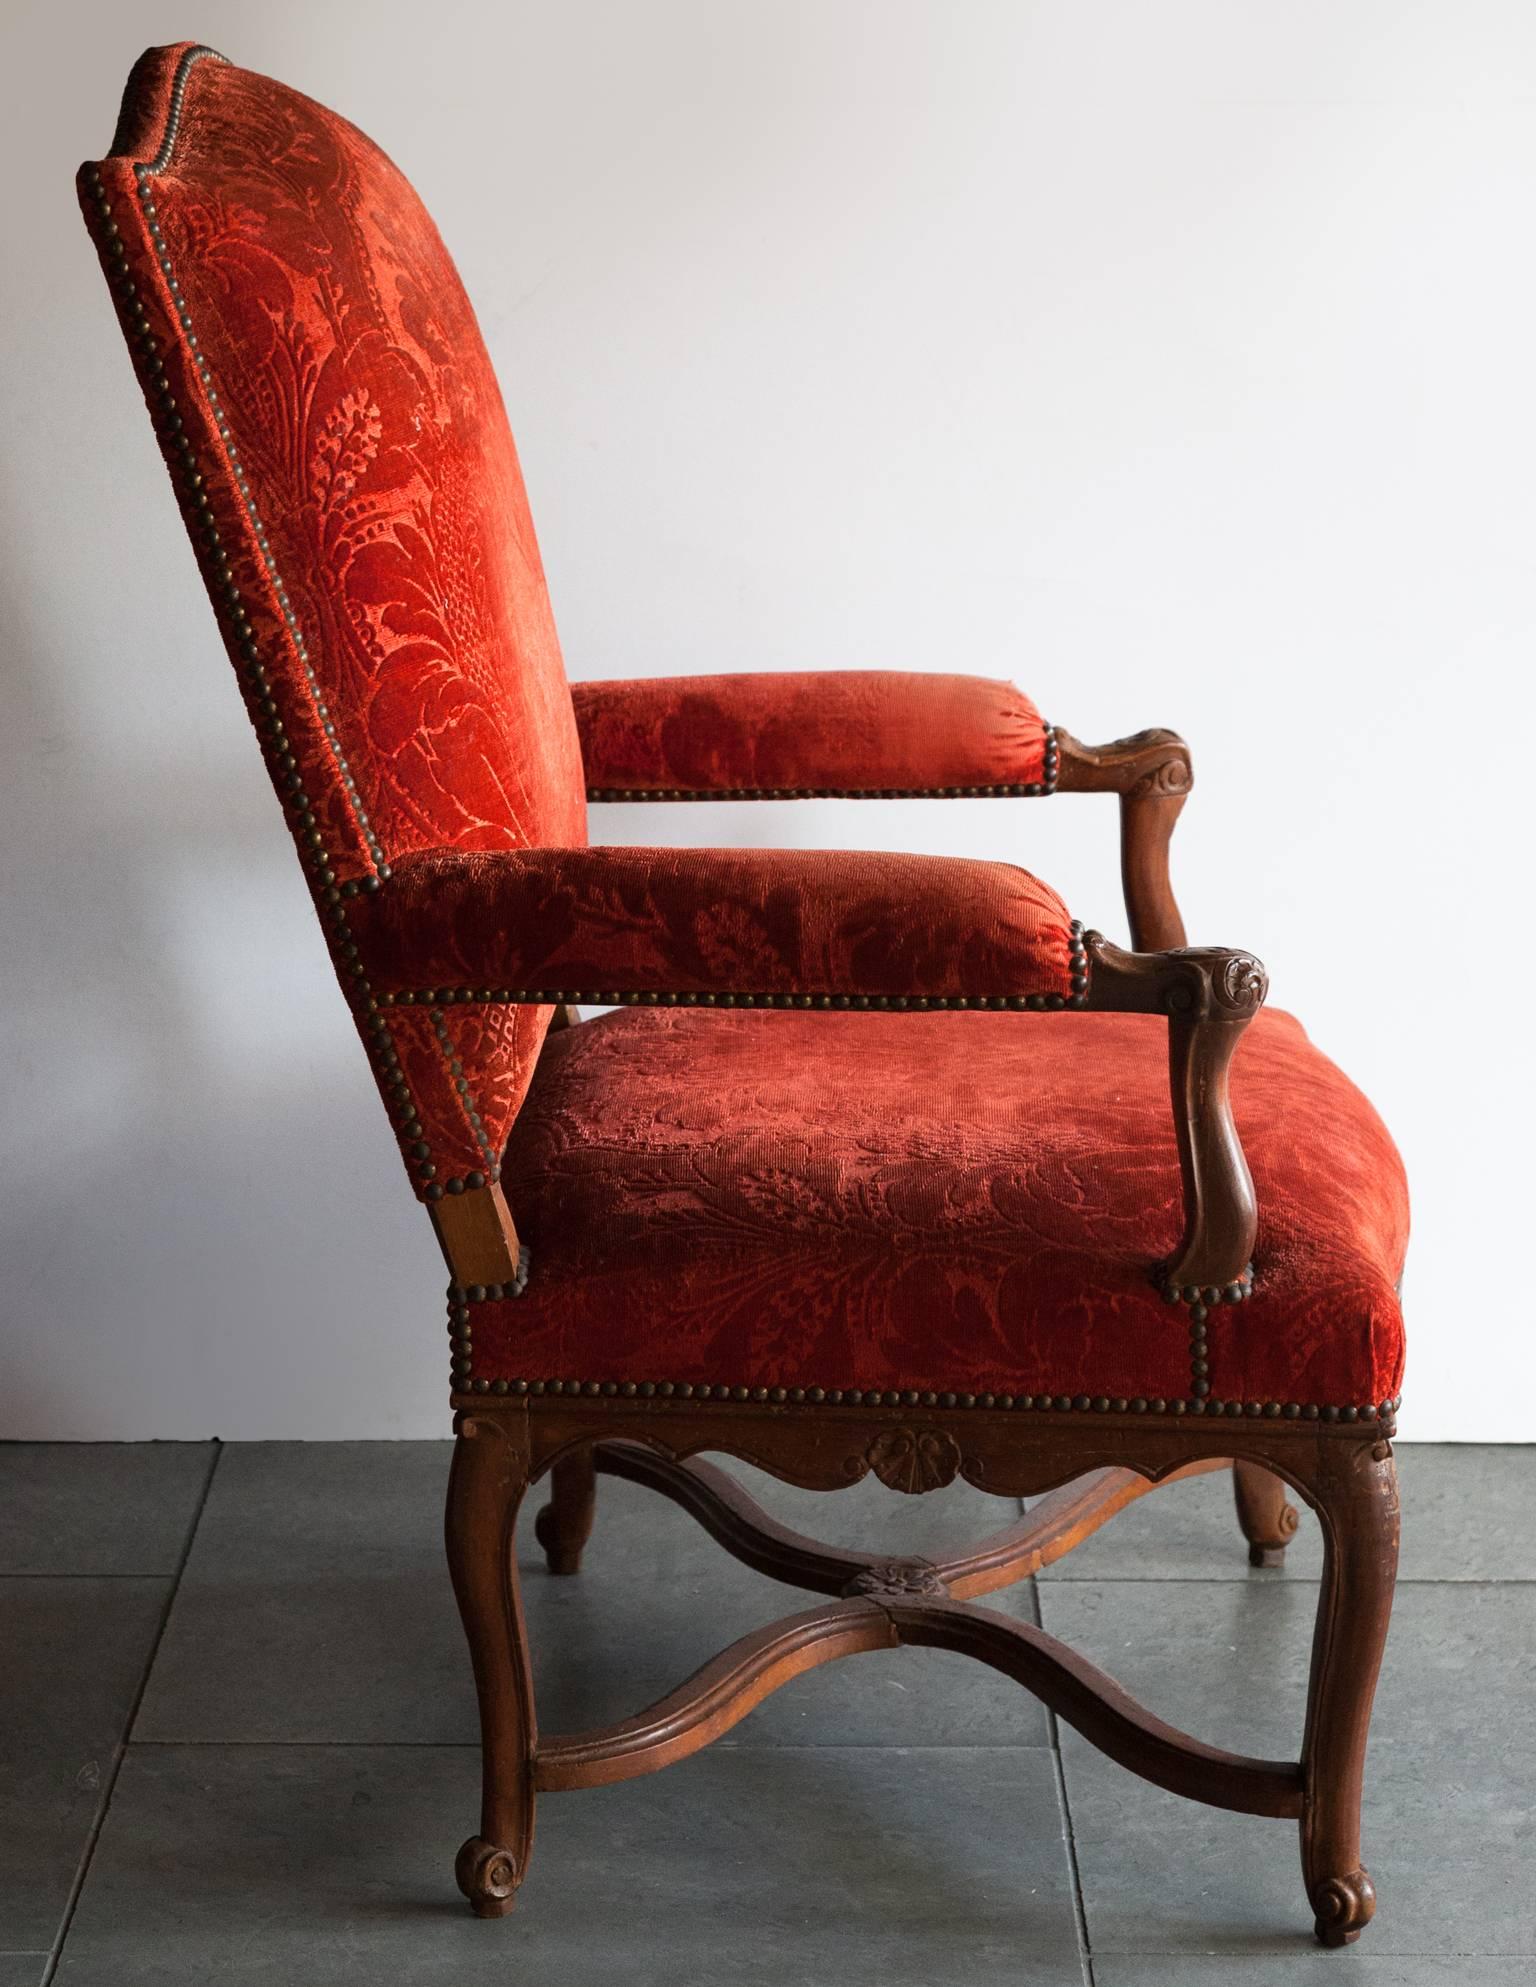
<point>459,950</point>
<point>744,926</point>
<point>842,731</point>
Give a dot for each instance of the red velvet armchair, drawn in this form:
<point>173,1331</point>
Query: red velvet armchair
<point>878,1163</point>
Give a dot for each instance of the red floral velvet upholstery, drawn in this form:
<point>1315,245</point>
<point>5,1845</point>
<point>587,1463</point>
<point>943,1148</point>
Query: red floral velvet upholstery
<point>825,731</point>
<point>593,924</point>
<point>342,458</point>
<point>962,1203</point>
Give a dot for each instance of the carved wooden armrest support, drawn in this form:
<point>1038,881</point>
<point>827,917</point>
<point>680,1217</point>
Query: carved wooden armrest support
<point>1209,995</point>
<point>1151,773</point>
<point>1148,762</point>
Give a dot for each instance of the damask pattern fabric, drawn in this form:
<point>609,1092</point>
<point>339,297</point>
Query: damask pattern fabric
<point>343,460</point>
<point>848,730</point>
<point>775,921</point>
<point>966,1202</point>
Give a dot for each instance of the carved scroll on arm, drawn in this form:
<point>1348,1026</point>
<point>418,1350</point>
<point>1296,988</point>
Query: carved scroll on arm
<point>1151,772</point>
<point>1209,996</point>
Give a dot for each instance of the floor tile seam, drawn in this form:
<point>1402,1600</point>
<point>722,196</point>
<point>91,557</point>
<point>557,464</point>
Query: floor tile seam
<point>881,1745</point>
<point>1302,1949</point>
<point>1064,1810</point>
<point>1074,1868</point>
<point>473,1745</point>
<point>1003,1748</point>
<point>120,1749</point>
<point>163,1573</point>
<point>1263,1585</point>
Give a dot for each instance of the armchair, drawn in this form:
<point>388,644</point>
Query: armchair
<point>880,1164</point>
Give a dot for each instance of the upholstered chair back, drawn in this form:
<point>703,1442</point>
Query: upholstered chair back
<point>344,465</point>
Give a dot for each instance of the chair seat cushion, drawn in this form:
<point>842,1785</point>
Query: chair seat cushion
<point>967,1205</point>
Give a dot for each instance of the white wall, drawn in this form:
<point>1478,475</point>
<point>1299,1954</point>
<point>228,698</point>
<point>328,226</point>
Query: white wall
<point>1176,358</point>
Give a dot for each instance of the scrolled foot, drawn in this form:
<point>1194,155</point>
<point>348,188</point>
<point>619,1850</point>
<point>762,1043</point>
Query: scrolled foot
<point>1271,1551</point>
<point>1344,1907</point>
<point>1268,1520</point>
<point>488,1876</point>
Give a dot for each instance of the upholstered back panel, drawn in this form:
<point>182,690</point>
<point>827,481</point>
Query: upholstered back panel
<point>342,457</point>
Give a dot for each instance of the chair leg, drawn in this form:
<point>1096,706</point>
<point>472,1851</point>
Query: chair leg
<point>485,1488</point>
<point>1357,1502</point>
<point>1268,1519</point>
<point>565,1523</point>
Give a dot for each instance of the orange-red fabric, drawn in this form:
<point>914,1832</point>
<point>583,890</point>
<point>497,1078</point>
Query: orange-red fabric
<point>964,1202</point>
<point>342,458</point>
<point>961,1202</point>
<point>847,730</point>
<point>764,921</point>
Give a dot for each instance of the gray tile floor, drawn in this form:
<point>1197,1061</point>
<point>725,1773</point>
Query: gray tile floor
<point>238,1743</point>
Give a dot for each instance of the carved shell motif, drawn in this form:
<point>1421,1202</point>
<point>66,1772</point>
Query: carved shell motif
<point>914,1459</point>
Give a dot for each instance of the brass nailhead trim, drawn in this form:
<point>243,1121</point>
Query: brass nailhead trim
<point>461,1297</point>
<point>329,895</point>
<point>143,174</point>
<point>477,1125</point>
<point>611,997</point>
<point>189,61</point>
<point>1381,1416</point>
<point>460,1300</point>
<point>438,998</point>
<point>1202,1299</point>
<point>1030,790</point>
<point>461,1183</point>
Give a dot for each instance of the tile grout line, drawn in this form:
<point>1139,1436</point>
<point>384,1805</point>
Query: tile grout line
<point>120,1751</point>
<point>1254,1582</point>
<point>1274,1578</point>
<point>81,1576</point>
<point>722,1746</point>
<point>1053,1729</point>
<point>473,1745</point>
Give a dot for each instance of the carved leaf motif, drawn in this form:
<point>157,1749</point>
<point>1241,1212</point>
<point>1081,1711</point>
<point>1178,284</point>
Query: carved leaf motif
<point>1242,982</point>
<point>914,1459</point>
<point>902,1578</point>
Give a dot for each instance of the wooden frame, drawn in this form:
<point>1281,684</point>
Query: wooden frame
<point>501,1447</point>
<point>1346,1474</point>
<point>1091,1464</point>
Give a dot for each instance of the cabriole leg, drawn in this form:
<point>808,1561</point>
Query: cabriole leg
<point>565,1523</point>
<point>1357,1503</point>
<point>485,1488</point>
<point>1266,1515</point>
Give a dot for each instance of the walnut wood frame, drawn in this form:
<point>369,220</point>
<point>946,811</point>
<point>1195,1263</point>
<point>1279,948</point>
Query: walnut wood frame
<point>1345,1473</point>
<point>1092,1465</point>
<point>1151,773</point>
